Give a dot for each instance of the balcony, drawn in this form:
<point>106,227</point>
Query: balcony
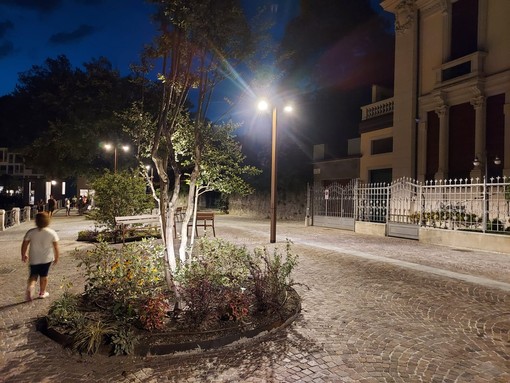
<point>460,69</point>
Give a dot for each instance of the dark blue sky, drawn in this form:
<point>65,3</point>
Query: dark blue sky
<point>33,30</point>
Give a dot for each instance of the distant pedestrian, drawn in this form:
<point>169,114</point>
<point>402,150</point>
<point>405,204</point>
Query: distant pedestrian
<point>42,245</point>
<point>40,206</point>
<point>68,207</point>
<point>52,204</point>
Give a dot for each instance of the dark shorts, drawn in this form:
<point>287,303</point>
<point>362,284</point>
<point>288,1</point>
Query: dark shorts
<point>40,270</point>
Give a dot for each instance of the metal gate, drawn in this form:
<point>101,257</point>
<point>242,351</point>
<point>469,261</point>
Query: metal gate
<point>334,205</point>
<point>404,209</point>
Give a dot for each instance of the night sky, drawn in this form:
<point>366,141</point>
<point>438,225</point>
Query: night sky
<point>33,30</point>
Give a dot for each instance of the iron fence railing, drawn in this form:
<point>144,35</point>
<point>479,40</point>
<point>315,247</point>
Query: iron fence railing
<point>468,204</point>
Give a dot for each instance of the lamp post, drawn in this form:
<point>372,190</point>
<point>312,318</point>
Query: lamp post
<point>109,147</point>
<point>477,162</point>
<point>264,105</point>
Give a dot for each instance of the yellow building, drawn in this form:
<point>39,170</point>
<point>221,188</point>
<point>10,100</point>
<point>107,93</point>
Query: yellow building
<point>451,96</point>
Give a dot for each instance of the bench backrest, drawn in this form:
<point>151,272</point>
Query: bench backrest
<point>145,218</point>
<point>202,215</point>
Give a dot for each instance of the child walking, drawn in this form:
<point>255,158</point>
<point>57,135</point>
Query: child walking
<point>42,245</point>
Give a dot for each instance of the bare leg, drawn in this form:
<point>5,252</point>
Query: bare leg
<point>31,287</point>
<point>43,281</point>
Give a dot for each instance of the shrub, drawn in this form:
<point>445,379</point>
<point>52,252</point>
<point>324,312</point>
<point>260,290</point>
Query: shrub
<point>119,194</point>
<point>271,277</point>
<point>224,280</point>
<point>64,311</point>
<point>153,312</point>
<point>120,278</point>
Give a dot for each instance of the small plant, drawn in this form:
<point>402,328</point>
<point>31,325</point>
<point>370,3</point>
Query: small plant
<point>91,335</point>
<point>495,225</point>
<point>153,312</point>
<point>271,277</point>
<point>200,294</point>
<point>64,311</point>
<point>123,340</point>
<point>237,305</point>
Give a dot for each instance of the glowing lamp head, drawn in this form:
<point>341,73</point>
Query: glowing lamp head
<point>263,105</point>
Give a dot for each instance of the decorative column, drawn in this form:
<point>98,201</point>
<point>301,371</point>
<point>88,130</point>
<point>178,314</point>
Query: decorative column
<point>422,149</point>
<point>479,105</point>
<point>442,112</point>
<point>405,88</point>
<point>2,219</point>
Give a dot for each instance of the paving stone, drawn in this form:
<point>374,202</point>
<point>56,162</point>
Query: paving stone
<point>376,310</point>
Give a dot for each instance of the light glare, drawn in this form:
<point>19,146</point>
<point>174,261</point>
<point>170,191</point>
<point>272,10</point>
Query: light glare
<point>263,105</point>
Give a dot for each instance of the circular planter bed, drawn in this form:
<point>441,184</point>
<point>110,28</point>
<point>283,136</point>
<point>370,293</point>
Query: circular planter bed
<point>175,340</point>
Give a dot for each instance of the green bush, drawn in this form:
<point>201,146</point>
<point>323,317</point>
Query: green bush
<point>120,278</point>
<point>119,194</point>
<point>224,281</point>
<point>271,277</point>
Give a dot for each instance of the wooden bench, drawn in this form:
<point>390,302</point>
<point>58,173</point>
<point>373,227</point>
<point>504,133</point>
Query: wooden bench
<point>205,219</point>
<point>136,223</point>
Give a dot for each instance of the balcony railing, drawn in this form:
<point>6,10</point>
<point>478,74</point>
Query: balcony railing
<point>376,109</point>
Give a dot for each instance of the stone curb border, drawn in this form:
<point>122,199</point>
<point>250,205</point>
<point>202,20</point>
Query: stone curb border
<point>174,348</point>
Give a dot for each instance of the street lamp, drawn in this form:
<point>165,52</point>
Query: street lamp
<point>109,147</point>
<point>264,105</point>
<point>477,162</point>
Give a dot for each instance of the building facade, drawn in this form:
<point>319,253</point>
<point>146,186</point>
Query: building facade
<point>16,179</point>
<point>451,96</point>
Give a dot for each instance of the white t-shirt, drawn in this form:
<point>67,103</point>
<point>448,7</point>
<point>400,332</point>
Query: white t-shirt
<point>41,245</point>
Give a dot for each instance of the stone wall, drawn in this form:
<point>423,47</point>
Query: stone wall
<point>291,206</point>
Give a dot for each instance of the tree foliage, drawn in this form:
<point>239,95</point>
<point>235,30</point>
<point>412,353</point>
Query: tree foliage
<point>199,44</point>
<point>119,194</point>
<point>61,114</point>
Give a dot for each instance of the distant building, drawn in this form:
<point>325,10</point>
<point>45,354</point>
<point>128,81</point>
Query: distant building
<point>15,178</point>
<point>451,97</point>
<point>340,170</point>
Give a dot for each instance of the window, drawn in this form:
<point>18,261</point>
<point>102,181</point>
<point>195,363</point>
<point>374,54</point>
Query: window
<point>381,175</point>
<point>464,33</point>
<point>384,145</point>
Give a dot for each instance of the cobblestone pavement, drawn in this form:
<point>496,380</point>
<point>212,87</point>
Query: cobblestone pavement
<point>374,310</point>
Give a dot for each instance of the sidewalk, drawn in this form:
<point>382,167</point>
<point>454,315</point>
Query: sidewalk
<point>375,310</point>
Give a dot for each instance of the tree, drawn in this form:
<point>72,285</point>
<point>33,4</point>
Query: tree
<point>119,194</point>
<point>222,166</point>
<point>199,44</point>
<point>62,113</point>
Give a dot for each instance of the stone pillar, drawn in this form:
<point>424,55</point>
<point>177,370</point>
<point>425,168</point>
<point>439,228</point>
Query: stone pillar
<point>26,213</point>
<point>480,133</point>
<point>2,220</point>
<point>15,215</point>
<point>422,150</point>
<point>405,89</point>
<point>442,171</point>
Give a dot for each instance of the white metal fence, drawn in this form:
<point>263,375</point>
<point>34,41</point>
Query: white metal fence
<point>467,204</point>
